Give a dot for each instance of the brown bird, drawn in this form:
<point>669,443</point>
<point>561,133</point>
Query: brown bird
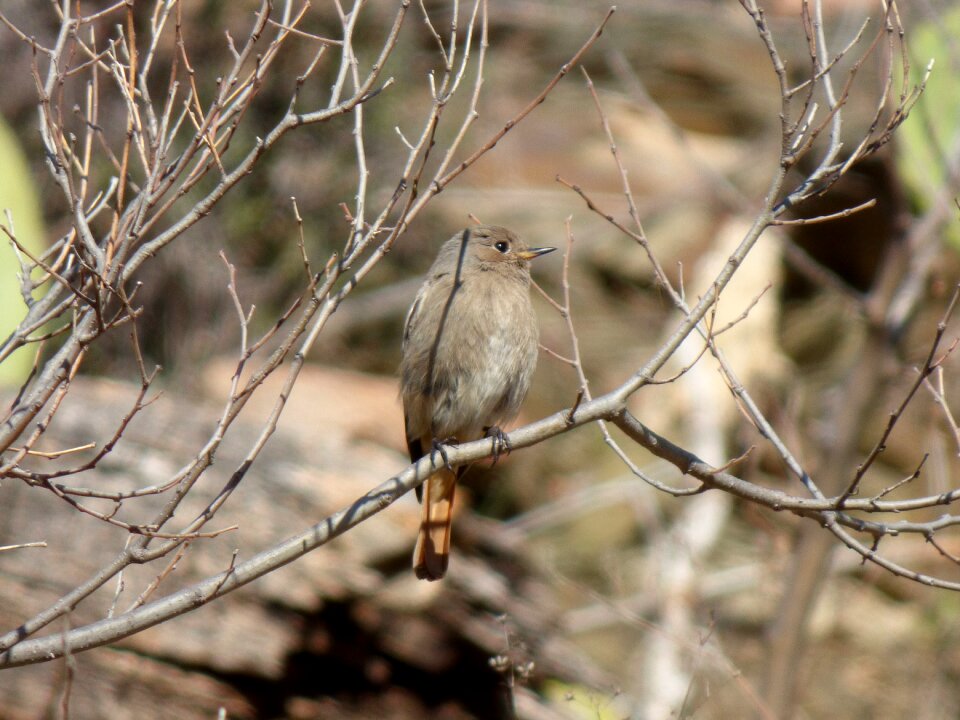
<point>469,351</point>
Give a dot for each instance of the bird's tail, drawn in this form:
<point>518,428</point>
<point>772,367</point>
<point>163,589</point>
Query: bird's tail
<point>432,553</point>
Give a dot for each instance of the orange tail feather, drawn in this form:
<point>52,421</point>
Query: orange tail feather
<point>432,553</point>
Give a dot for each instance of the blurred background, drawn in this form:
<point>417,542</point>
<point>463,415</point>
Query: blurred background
<point>576,590</point>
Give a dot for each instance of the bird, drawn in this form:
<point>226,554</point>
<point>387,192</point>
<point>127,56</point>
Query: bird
<point>470,345</point>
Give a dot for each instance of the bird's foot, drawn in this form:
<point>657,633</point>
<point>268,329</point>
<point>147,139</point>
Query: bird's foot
<point>501,445</point>
<point>439,446</point>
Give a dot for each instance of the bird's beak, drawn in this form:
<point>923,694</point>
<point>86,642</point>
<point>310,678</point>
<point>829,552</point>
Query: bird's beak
<point>531,253</point>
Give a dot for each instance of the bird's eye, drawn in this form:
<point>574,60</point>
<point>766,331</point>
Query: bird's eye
<point>502,246</point>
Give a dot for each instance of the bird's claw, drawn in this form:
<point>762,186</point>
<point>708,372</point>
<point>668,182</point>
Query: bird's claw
<point>439,446</point>
<point>501,445</point>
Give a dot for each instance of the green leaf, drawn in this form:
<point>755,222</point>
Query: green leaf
<point>18,195</point>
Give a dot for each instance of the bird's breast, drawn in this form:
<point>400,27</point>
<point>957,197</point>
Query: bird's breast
<point>486,354</point>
